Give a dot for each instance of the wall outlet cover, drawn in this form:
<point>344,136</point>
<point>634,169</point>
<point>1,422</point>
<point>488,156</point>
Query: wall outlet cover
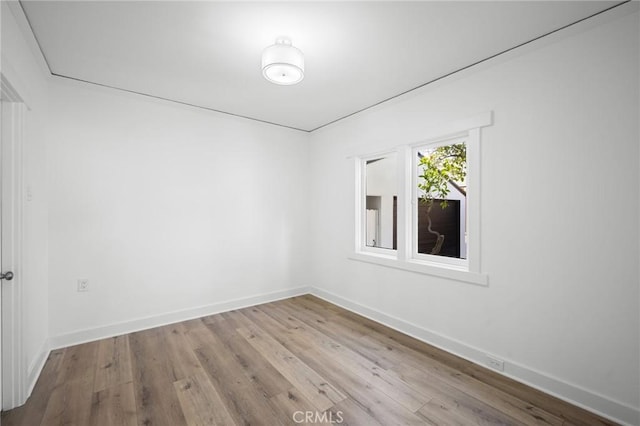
<point>495,363</point>
<point>83,284</point>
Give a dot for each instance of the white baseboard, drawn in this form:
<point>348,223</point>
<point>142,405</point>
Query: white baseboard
<point>92,334</point>
<point>33,373</point>
<point>576,395</point>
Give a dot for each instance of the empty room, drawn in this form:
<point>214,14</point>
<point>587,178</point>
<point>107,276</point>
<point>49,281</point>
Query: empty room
<point>282,213</point>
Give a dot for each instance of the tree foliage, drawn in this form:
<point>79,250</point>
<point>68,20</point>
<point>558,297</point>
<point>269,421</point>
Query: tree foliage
<point>444,164</point>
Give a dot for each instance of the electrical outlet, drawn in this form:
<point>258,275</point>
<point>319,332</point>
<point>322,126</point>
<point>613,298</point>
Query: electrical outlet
<point>495,363</point>
<point>83,284</point>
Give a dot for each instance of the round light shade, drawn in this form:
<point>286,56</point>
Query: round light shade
<point>282,63</point>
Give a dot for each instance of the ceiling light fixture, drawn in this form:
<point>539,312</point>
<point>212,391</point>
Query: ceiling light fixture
<point>282,63</point>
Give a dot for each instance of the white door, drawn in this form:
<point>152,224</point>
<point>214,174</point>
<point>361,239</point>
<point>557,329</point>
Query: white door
<point>12,366</point>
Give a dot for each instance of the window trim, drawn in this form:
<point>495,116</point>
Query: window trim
<point>405,257</point>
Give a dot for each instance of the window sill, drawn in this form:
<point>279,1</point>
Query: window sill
<point>438,270</point>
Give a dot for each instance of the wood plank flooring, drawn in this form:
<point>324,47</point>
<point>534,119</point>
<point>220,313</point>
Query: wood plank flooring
<point>295,361</point>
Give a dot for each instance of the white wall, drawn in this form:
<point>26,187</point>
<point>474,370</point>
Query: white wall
<point>166,208</point>
<point>561,253</point>
<point>24,68</point>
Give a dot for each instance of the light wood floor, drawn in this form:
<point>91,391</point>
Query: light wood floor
<point>275,364</point>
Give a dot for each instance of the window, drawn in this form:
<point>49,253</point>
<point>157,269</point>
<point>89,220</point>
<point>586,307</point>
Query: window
<point>380,202</point>
<point>417,206</point>
<point>439,188</point>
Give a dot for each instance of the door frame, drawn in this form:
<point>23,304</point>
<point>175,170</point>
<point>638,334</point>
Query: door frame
<point>13,368</point>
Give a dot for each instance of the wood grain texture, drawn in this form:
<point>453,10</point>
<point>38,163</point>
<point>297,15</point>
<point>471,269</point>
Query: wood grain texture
<point>114,406</point>
<point>201,403</point>
<point>311,384</point>
<point>154,372</point>
<point>247,401</point>
<point>295,361</point>
<point>113,363</point>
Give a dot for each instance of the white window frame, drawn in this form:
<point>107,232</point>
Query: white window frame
<point>406,256</point>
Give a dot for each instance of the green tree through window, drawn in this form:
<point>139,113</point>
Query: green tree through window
<point>438,169</point>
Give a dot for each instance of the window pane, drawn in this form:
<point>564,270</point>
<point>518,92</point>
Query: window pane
<point>441,206</point>
<point>381,202</point>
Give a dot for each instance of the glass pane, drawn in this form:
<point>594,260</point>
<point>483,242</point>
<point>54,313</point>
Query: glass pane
<point>381,202</point>
<point>442,195</point>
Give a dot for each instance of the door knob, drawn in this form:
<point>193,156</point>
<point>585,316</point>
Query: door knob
<point>7,276</point>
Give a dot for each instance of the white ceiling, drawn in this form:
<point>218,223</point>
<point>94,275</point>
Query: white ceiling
<point>357,54</point>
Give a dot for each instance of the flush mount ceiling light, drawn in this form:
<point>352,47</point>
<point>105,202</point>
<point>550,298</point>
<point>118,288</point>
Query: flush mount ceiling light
<point>282,63</point>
